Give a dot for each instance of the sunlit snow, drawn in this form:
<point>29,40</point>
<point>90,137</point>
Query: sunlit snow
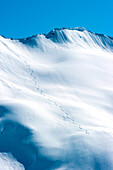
<point>56,101</point>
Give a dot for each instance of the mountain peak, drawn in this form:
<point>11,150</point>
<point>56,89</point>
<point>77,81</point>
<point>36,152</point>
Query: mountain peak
<point>70,28</point>
<point>79,36</point>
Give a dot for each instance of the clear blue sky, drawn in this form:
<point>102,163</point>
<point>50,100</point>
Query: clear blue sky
<point>22,18</point>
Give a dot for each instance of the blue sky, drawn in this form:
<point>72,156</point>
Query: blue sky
<point>22,18</point>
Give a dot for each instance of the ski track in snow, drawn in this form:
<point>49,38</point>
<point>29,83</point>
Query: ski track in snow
<point>45,96</point>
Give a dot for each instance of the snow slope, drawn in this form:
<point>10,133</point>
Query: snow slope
<point>56,101</point>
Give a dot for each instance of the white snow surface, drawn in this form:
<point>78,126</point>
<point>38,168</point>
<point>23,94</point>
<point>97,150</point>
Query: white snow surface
<point>56,101</point>
<point>7,162</point>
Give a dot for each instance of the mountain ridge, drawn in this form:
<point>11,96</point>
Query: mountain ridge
<point>62,28</point>
<point>78,36</point>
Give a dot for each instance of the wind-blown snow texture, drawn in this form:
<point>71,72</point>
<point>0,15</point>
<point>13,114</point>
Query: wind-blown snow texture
<point>56,101</point>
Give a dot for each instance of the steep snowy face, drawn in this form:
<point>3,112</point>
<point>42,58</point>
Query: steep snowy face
<point>80,37</point>
<point>56,101</point>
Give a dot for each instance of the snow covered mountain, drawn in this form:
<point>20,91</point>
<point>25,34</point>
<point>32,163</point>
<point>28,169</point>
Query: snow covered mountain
<point>56,101</point>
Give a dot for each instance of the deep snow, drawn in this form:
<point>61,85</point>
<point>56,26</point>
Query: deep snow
<point>56,101</point>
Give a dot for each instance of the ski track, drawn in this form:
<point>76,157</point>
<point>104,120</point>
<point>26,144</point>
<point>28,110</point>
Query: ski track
<point>39,89</point>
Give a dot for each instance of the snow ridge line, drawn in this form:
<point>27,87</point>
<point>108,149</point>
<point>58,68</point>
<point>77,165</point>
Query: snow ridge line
<point>49,99</point>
